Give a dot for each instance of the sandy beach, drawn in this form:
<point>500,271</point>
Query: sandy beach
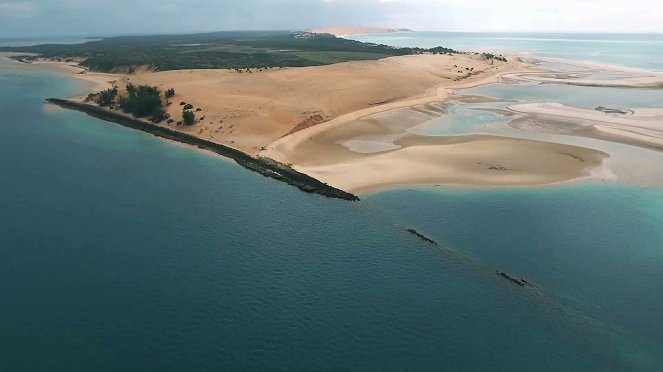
<point>250,110</point>
<point>475,160</point>
<point>99,81</point>
<point>379,151</point>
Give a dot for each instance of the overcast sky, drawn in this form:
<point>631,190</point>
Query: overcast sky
<point>92,17</point>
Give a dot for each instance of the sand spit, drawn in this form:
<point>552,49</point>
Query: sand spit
<point>474,160</point>
<point>638,127</point>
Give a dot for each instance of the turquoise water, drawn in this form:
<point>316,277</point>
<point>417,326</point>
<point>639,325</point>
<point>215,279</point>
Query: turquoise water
<point>632,50</point>
<point>120,252</point>
<point>460,119</point>
<point>576,96</point>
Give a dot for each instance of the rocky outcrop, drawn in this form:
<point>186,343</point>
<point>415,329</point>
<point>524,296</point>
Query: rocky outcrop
<point>521,282</point>
<point>608,110</point>
<point>422,236</point>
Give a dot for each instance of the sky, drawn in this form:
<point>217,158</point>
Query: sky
<point>40,18</point>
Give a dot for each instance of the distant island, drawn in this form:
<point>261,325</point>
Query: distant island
<point>216,50</point>
<point>356,30</point>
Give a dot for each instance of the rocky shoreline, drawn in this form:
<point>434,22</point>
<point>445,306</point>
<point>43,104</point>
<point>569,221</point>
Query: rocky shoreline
<point>266,166</point>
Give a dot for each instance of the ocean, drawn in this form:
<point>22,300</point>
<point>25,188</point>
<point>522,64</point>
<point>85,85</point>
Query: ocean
<point>630,50</point>
<point>120,251</point>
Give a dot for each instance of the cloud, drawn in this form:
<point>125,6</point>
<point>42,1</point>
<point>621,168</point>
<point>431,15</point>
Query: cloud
<point>97,17</point>
<point>16,9</point>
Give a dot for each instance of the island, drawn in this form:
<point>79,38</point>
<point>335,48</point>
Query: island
<point>282,102</point>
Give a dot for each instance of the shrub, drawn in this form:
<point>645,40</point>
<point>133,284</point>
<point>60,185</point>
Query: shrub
<point>188,106</point>
<point>159,116</point>
<point>170,93</point>
<point>144,101</point>
<point>107,97</point>
<point>188,117</point>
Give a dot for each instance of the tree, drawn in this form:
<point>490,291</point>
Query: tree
<point>159,116</point>
<point>188,106</point>
<point>188,117</point>
<point>143,101</point>
<point>170,93</point>
<point>107,97</point>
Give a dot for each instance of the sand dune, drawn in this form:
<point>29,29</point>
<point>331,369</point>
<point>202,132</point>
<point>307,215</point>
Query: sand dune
<point>251,110</point>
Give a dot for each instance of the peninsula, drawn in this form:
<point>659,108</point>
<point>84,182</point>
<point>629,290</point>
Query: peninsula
<point>290,98</point>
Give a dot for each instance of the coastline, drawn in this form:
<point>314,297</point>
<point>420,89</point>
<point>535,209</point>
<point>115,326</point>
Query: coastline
<point>97,80</point>
<point>491,154</point>
<point>262,165</point>
<point>269,167</point>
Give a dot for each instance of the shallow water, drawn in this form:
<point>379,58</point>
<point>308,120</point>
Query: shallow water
<point>575,96</point>
<point>461,119</point>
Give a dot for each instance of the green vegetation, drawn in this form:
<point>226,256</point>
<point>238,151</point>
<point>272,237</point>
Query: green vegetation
<point>188,106</point>
<point>491,56</point>
<point>105,98</point>
<point>230,50</point>
<point>188,117</point>
<point>143,101</point>
<point>170,93</point>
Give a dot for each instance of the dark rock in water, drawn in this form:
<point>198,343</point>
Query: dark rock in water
<point>521,282</point>
<point>421,236</point>
<point>608,110</point>
<point>307,188</point>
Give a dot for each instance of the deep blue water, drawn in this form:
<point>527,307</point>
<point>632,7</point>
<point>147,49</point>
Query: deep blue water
<point>120,252</point>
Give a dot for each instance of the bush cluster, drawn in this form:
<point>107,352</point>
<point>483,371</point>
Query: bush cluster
<point>144,101</point>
